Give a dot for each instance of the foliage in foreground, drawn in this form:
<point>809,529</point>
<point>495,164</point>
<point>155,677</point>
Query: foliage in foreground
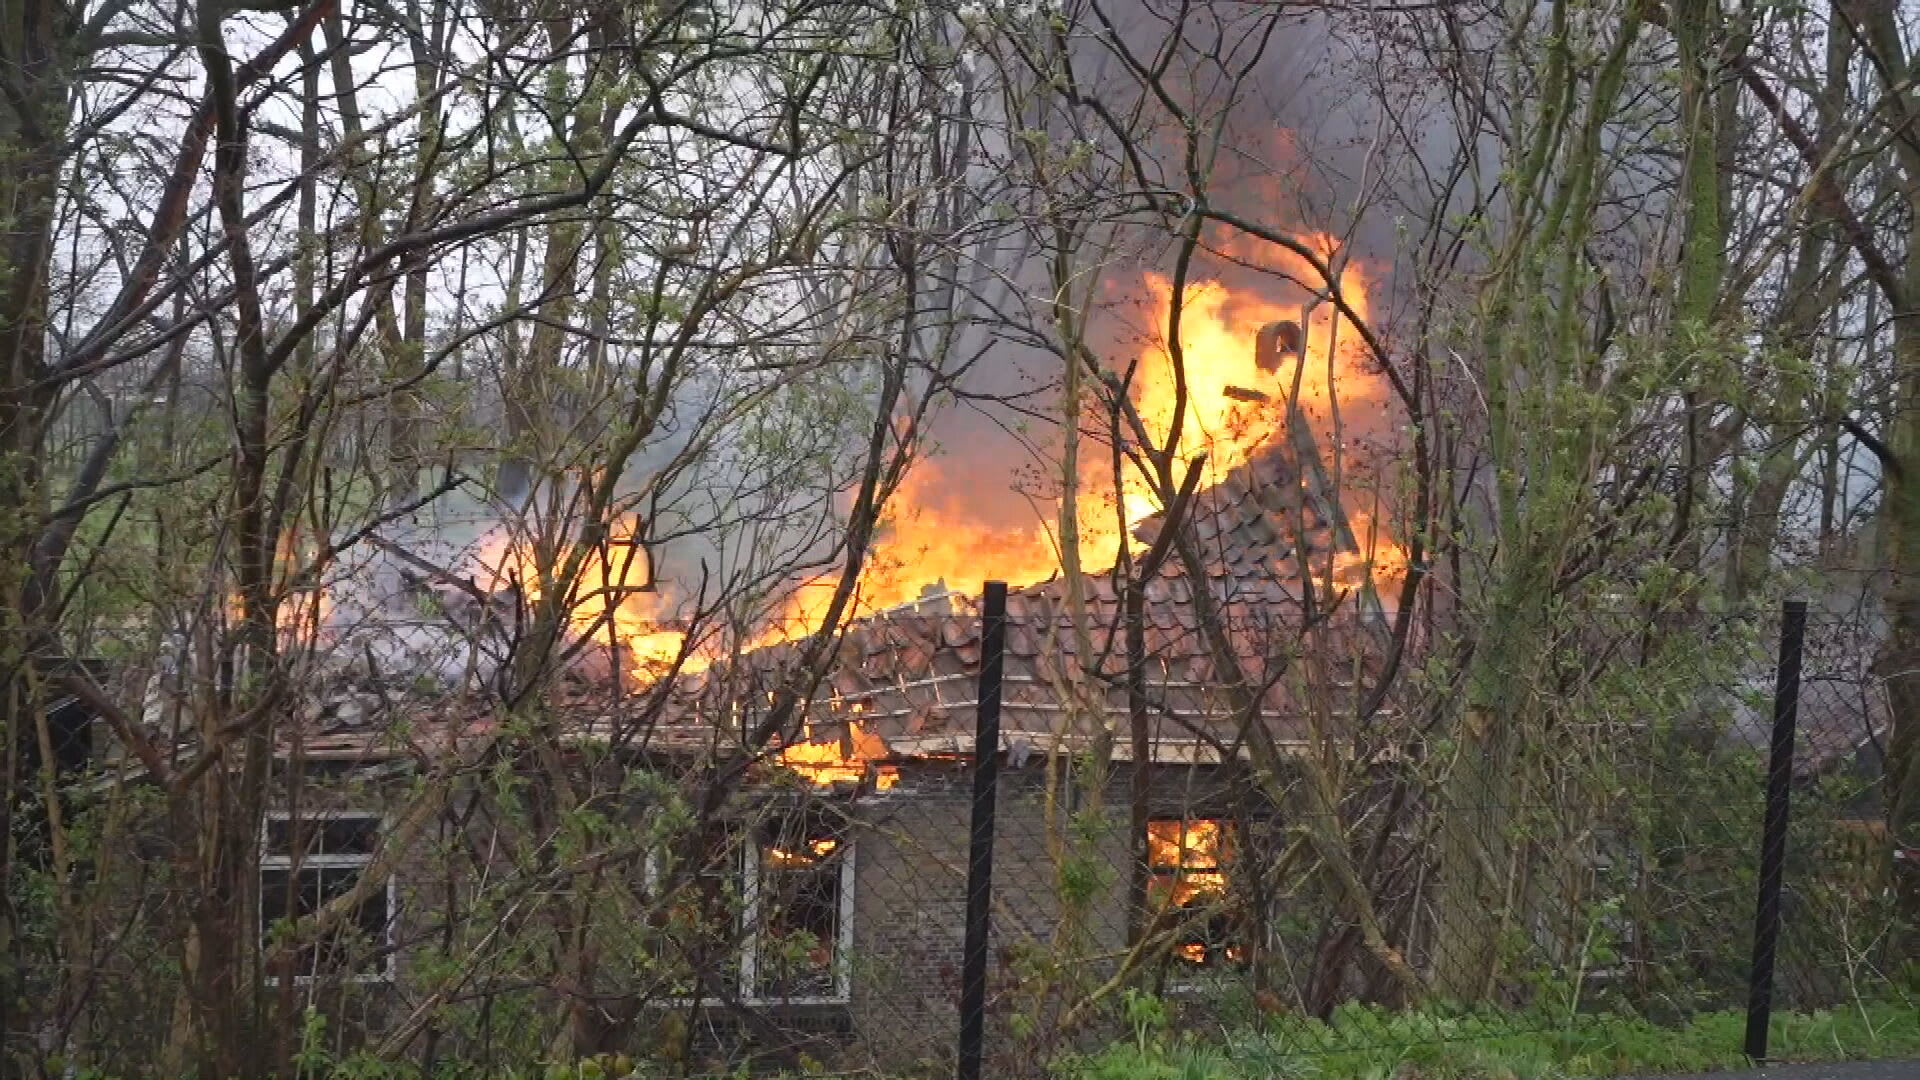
<point>1358,1043</point>
<point>1362,1043</point>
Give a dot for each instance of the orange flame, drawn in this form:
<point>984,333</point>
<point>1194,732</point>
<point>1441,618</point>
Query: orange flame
<point>302,612</point>
<point>930,538</point>
<point>1217,331</point>
<point>815,850</point>
<point>299,618</point>
<point>1188,861</point>
<point>825,764</point>
<point>1190,857</point>
<point>614,594</point>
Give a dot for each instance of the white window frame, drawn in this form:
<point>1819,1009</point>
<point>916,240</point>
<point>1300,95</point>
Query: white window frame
<point>389,964</point>
<point>752,867</point>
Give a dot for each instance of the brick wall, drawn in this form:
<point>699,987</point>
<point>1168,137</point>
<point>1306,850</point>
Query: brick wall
<point>910,899</point>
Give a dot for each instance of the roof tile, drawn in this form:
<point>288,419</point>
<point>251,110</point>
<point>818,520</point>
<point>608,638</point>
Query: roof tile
<point>918,670</point>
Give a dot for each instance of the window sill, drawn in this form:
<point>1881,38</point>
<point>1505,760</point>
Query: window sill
<point>828,1001</point>
<point>370,979</point>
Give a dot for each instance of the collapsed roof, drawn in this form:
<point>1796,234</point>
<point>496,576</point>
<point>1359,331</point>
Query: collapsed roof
<point>910,675</point>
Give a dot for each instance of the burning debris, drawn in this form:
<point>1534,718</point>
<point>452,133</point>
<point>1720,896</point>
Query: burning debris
<point>1275,342</point>
<point>845,761</point>
<point>422,606</point>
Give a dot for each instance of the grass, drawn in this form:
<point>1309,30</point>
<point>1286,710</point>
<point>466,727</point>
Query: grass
<point>1358,1043</point>
<point>1367,1044</point>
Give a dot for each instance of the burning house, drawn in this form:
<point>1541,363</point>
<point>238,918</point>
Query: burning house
<point>1156,784</point>
<point>792,832</point>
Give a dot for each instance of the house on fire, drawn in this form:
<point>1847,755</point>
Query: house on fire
<point>819,893</point>
<point>824,890</point>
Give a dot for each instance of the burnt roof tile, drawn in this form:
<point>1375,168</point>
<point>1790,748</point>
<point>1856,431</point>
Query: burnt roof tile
<point>919,669</point>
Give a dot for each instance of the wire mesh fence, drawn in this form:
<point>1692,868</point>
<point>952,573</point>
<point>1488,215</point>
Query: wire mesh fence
<point>1262,853</point>
<point>1355,886</point>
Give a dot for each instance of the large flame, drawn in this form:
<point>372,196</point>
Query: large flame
<point>613,599</point>
<point>1217,331</point>
<point>1189,857</point>
<point>1232,407</point>
<point>928,539</point>
<point>828,762</point>
<point>1227,408</point>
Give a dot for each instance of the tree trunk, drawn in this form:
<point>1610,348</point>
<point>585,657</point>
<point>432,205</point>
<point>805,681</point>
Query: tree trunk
<point>1899,660</point>
<point>1475,850</point>
<point>33,122</point>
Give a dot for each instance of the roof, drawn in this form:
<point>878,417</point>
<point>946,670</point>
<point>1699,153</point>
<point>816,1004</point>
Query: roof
<point>910,675</point>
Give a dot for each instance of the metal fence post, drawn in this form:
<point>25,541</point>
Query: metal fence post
<point>1773,835</point>
<point>986,778</point>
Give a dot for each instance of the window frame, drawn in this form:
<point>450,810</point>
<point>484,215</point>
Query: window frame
<point>1186,975</point>
<point>752,868</point>
<point>390,958</point>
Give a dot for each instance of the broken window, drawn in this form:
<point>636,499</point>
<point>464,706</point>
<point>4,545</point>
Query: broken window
<point>307,863</point>
<point>770,920</point>
<point>699,919</point>
<point>803,906</point>
<point>1188,860</point>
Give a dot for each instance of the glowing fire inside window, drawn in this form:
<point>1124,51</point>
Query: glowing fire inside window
<point>1187,864</point>
<point>806,854</point>
<point>800,938</point>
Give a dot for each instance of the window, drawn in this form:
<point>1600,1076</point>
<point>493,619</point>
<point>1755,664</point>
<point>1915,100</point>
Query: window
<point>701,924</point>
<point>307,863</point>
<point>1188,860</point>
<point>774,918</point>
<point>804,908</point>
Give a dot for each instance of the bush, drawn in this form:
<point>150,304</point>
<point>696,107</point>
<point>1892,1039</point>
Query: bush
<point>1361,1043</point>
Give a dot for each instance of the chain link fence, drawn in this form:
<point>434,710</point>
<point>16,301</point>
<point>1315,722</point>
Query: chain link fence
<point>1310,886</point>
<point>1359,887</point>
<point>1300,872</point>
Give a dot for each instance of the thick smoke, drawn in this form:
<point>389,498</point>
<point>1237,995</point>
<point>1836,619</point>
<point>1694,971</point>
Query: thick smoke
<point>1300,153</point>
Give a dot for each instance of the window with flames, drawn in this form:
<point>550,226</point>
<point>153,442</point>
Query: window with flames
<point>804,908</point>
<point>768,921</point>
<point>309,862</point>
<point>1188,862</point>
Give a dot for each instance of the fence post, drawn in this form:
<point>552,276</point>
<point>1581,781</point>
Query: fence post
<point>1773,834</point>
<point>986,778</point>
